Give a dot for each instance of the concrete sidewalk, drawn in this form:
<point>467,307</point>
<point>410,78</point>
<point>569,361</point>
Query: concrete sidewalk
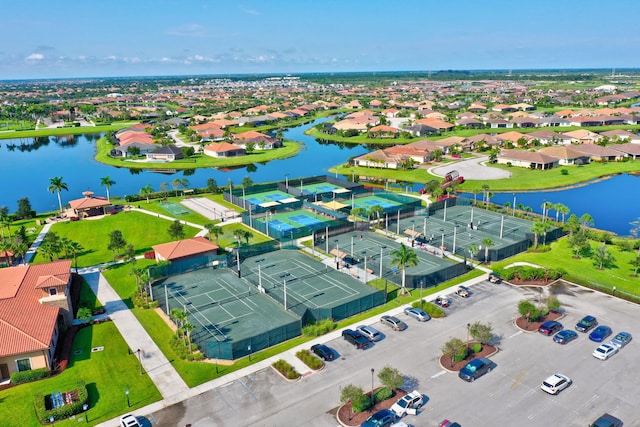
<point>154,362</point>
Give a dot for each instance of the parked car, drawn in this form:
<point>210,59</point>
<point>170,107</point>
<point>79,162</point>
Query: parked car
<point>442,301</point>
<point>382,418</point>
<point>600,333</point>
<point>565,336</point>
<point>605,351</point>
<point>463,291</point>
<point>394,323</point>
<point>370,332</point>
<point>586,324</point>
<point>413,400</point>
<point>621,339</point>
<point>417,313</point>
<point>400,424</point>
<point>494,278</point>
<point>355,338</point>
<point>323,352</point>
<point>129,421</point>
<point>555,383</point>
<point>447,423</point>
<point>550,327</point>
<point>475,369</point>
<point>606,420</point>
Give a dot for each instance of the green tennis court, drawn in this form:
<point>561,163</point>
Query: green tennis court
<point>294,220</point>
<point>274,196</point>
<point>175,208</point>
<point>321,187</point>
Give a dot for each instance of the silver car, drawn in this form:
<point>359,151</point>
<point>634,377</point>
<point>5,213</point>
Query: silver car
<point>370,332</point>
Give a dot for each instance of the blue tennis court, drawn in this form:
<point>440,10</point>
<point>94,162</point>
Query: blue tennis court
<point>304,220</point>
<point>254,200</point>
<point>276,197</point>
<point>279,225</point>
<point>377,202</point>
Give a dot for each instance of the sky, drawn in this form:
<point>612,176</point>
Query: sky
<point>42,39</point>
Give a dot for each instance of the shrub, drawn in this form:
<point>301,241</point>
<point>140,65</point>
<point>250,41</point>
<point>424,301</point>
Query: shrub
<point>361,403</point>
<point>564,171</point>
<point>382,394</point>
<point>535,313</point>
<point>553,303</point>
<point>481,332</point>
<point>182,350</point>
<point>319,328</point>
<point>286,369</point>
<point>476,348</point>
<point>457,347</point>
<point>64,411</point>
<point>309,359</point>
<point>30,375</point>
<point>429,308</point>
<point>354,394</point>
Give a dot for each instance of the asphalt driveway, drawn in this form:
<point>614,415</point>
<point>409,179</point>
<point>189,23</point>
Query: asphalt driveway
<point>471,169</point>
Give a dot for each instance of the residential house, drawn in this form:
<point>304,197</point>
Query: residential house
<point>621,135</point>
<point>548,137</point>
<point>165,153</point>
<point>599,153</point>
<point>566,155</point>
<point>527,159</point>
<point>582,136</point>
<point>35,302</point>
<point>630,149</point>
<point>224,149</point>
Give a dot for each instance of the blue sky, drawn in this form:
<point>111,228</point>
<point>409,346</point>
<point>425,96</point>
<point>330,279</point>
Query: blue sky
<point>79,38</point>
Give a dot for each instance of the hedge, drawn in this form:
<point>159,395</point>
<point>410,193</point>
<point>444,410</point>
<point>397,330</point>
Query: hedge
<point>286,369</point>
<point>30,375</point>
<point>64,411</point>
<point>429,308</point>
<point>309,359</point>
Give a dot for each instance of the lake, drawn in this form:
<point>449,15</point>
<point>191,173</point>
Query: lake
<point>612,215</point>
<point>28,163</point>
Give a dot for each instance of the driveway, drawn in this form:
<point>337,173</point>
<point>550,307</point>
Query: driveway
<point>473,168</point>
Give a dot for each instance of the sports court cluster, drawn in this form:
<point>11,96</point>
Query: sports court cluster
<point>260,295</point>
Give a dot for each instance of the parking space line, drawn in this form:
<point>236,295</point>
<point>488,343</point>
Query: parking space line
<point>248,389</point>
<point>438,374</point>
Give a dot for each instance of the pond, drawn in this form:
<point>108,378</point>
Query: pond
<point>613,203</point>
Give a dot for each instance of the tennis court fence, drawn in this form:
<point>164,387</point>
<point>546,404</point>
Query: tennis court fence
<point>186,265</point>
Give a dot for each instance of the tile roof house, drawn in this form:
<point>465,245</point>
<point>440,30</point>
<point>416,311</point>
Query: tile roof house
<point>35,302</point>
<point>166,153</point>
<point>182,249</point>
<point>89,205</point>
<point>600,153</point>
<point>527,159</point>
<point>223,149</point>
<point>631,149</point>
<point>566,155</point>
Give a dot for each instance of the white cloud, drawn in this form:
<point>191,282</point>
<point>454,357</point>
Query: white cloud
<point>34,57</point>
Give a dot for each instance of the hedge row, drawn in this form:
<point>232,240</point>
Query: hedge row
<point>309,359</point>
<point>429,308</point>
<point>64,411</point>
<point>319,328</point>
<point>523,272</point>
<point>286,369</point>
<point>30,375</point>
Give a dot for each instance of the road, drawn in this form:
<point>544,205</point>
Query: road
<point>472,168</point>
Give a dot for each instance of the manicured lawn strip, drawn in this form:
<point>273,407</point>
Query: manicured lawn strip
<point>289,149</point>
<point>155,205</point>
<point>583,269</point>
<point>141,230</point>
<point>393,175</point>
<point>107,375</point>
<point>72,130</point>
<point>228,240</point>
<point>196,373</point>
<point>122,282</point>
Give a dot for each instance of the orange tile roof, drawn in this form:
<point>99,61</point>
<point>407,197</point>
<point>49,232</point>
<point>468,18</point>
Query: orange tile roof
<point>89,202</point>
<point>26,324</point>
<point>184,248</point>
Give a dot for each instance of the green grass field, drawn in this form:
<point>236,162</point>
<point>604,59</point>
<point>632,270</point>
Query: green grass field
<point>107,375</point>
<point>141,230</point>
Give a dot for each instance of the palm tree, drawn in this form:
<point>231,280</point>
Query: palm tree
<point>239,235</point>
<point>75,248</point>
<point>146,191</point>
<point>187,327</point>
<point>214,230</point>
<point>402,258</point>
<point>56,185</point>
<point>487,243</point>
<point>107,182</point>
<point>563,210</point>
<point>538,228</point>
<point>6,249</point>
<point>473,249</point>
<point>246,235</point>
<point>20,248</point>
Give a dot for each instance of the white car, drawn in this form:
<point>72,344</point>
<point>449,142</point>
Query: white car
<point>605,351</point>
<point>129,421</point>
<point>555,383</point>
<point>411,401</point>
<point>370,332</point>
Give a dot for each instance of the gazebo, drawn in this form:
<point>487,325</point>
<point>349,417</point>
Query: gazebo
<point>89,205</point>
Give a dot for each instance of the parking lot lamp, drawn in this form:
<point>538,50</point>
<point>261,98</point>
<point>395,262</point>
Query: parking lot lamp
<point>373,397</point>
<point>468,332</point>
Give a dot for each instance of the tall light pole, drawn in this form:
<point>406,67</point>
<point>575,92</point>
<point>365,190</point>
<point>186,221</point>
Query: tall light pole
<point>140,360</point>
<point>352,257</point>
<point>337,255</point>
<point>284,288</point>
<point>381,249</point>
<point>364,253</point>
<point>442,244</point>
<point>259,262</point>
<point>373,397</point>
<point>514,205</point>
<point>286,181</point>
<point>468,330</point>
<point>455,230</point>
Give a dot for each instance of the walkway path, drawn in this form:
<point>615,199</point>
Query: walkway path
<point>36,243</point>
<point>154,362</point>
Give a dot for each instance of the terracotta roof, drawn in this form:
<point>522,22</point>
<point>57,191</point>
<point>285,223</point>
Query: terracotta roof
<point>26,324</point>
<point>184,248</point>
<point>222,147</point>
<point>89,202</point>
<point>528,156</point>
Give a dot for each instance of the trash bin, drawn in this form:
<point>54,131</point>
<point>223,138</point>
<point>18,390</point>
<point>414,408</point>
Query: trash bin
<point>85,407</point>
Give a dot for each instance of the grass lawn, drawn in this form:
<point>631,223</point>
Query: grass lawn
<point>228,240</point>
<point>140,230</point>
<point>107,375</point>
<point>583,270</point>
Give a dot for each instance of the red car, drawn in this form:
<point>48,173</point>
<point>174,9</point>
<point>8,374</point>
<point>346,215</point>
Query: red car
<point>447,423</point>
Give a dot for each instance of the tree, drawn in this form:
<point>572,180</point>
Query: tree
<point>473,249</point>
<point>390,377</point>
<point>539,227</point>
<point>176,184</point>
<point>178,316</point>
<point>116,242</point>
<point>75,248</point>
<point>561,209</point>
<point>402,258</point>
<point>481,332</point>
<point>146,191</point>
<point>187,328</point>
<point>176,230</point>
<point>212,185</point>
<point>635,262</point>
<point>214,230</point>
<point>528,310</point>
<point>487,243</point>
<point>56,185</point>
<point>355,395</point>
<point>586,220</point>
<point>130,254</point>
<point>47,250</point>
<point>572,225</point>
<point>603,257</point>
<point>107,182</point>
<point>246,235</point>
<point>247,181</point>
<point>139,273</point>
<point>578,242</point>
<point>455,347</point>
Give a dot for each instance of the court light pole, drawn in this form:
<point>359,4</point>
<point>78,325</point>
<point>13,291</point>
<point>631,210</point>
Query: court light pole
<point>286,181</point>
<point>352,257</point>
<point>166,300</point>
<point>413,232</point>
<point>381,249</point>
<point>337,254</point>
<point>514,205</point>
<point>442,244</point>
<point>364,254</point>
<point>284,288</point>
<point>455,232</point>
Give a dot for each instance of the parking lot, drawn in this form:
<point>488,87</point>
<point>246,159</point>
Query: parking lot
<point>509,395</point>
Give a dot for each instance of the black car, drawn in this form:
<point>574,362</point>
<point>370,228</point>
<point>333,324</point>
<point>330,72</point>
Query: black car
<point>550,327</point>
<point>355,338</point>
<point>475,369</point>
<point>586,324</point>
<point>323,352</point>
<point>606,420</point>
